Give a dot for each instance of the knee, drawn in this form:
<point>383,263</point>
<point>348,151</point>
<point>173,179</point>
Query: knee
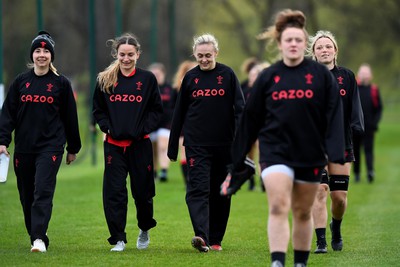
<point>302,215</point>
<point>322,193</point>
<point>279,208</point>
<point>339,199</point>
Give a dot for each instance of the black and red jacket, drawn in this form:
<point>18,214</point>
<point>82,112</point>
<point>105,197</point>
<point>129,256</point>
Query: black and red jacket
<point>42,111</point>
<point>132,110</point>
<point>372,106</point>
<point>352,111</point>
<point>208,109</point>
<point>297,116</point>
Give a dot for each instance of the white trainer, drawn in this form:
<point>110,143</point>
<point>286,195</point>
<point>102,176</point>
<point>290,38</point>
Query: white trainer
<point>143,240</point>
<point>120,246</point>
<point>38,246</point>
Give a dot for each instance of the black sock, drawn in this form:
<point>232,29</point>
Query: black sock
<point>163,175</point>
<point>301,256</point>
<point>278,256</point>
<point>321,234</point>
<point>336,225</point>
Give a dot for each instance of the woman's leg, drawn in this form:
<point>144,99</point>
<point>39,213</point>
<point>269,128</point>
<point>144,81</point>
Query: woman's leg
<point>279,192</point>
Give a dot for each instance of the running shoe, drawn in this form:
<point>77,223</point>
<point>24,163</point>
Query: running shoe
<point>216,247</point>
<point>143,240</point>
<point>322,247</point>
<point>38,246</point>
<point>337,241</point>
<point>199,244</point>
<point>276,264</point>
<point>120,246</point>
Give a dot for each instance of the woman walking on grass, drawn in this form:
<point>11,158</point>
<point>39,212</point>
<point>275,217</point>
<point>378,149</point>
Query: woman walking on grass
<point>295,111</point>
<point>40,107</point>
<point>324,49</point>
<point>208,107</point>
<point>127,107</point>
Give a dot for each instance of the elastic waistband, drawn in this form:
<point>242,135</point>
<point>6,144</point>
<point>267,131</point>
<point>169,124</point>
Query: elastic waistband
<point>123,143</point>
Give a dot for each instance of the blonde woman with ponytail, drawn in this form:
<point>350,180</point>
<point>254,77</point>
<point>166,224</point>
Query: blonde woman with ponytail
<point>127,107</point>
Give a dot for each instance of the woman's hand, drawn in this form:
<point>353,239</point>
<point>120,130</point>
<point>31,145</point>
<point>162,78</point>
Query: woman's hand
<point>70,158</point>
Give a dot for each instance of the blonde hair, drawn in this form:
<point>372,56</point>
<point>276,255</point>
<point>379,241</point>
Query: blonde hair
<point>313,39</point>
<point>184,67</point>
<point>51,67</point>
<point>109,76</point>
<point>206,38</point>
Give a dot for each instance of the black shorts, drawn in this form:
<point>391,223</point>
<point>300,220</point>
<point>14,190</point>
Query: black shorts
<point>308,175</point>
<point>298,174</point>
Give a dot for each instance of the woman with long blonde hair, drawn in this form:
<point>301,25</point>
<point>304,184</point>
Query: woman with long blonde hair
<point>127,107</point>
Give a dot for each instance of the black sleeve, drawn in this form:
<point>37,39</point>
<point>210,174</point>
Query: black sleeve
<point>9,113</point>
<point>239,100</point>
<point>69,117</point>
<point>100,112</point>
<point>378,109</point>
<point>177,121</point>
<point>155,108</point>
<point>357,116</point>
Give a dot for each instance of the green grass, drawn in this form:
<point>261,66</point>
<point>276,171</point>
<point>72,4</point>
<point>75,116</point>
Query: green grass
<point>78,230</point>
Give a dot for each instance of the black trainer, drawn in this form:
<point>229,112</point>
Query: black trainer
<point>234,180</point>
<point>337,242</point>
<point>322,247</point>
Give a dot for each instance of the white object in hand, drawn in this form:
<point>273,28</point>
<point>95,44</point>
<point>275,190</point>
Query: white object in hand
<point>4,162</point>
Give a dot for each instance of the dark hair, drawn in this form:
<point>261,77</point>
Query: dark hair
<point>285,19</point>
<point>289,18</point>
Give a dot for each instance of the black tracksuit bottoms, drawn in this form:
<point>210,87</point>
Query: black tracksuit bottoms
<point>365,141</point>
<point>209,211</point>
<point>36,180</point>
<point>137,161</point>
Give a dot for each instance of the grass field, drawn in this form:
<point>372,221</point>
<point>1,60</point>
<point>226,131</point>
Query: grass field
<point>78,231</point>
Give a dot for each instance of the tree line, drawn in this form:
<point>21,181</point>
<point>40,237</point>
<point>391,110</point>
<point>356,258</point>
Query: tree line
<point>366,32</point>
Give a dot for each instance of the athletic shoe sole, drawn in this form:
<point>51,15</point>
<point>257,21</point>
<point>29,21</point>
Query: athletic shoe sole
<point>199,244</point>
